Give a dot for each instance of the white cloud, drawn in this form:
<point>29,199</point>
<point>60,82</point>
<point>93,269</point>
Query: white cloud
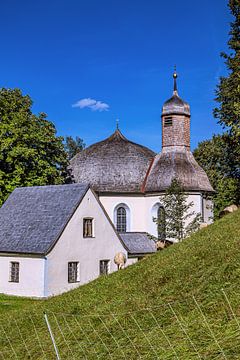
<point>94,105</point>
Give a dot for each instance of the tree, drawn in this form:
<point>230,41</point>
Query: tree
<point>72,147</point>
<point>30,151</point>
<point>228,92</point>
<point>179,221</point>
<point>213,156</point>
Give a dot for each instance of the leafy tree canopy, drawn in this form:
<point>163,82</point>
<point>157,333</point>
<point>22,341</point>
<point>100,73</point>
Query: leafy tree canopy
<point>228,97</point>
<point>30,151</point>
<point>220,156</point>
<point>73,146</point>
<point>228,90</point>
<point>217,159</point>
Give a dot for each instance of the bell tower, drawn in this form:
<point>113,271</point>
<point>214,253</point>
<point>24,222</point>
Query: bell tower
<point>175,121</point>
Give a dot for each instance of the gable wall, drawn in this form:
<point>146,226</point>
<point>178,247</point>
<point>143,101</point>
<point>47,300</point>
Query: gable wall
<point>72,246</point>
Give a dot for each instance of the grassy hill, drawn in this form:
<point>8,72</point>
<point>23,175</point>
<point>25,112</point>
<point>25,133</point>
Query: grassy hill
<point>168,306</point>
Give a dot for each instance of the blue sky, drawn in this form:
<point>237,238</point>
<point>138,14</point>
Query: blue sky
<point>118,53</point>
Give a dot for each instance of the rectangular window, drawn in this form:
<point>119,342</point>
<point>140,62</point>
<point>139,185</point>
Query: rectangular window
<point>104,267</point>
<point>87,227</point>
<point>168,121</point>
<point>14,272</point>
<point>73,272</point>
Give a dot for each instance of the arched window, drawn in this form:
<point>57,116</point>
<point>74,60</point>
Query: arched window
<point>161,227</point>
<point>121,219</point>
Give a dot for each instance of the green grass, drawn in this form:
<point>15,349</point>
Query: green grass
<point>110,317</point>
<point>8,303</point>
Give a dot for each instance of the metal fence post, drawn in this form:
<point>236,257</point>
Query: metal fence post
<point>52,337</point>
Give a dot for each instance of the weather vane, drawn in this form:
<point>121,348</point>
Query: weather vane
<point>117,124</point>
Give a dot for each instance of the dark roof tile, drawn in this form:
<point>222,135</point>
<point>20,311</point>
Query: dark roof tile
<point>32,218</point>
<point>138,243</point>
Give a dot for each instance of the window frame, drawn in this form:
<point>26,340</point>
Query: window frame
<point>76,275</point>
<point>14,274</point>
<point>121,224</point>
<point>85,235</point>
<point>108,267</point>
<point>128,217</point>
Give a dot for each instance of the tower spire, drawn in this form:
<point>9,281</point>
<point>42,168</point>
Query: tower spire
<point>175,92</point>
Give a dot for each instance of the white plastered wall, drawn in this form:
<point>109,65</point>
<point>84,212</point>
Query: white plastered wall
<point>207,210</point>
<point>31,276</point>
<point>143,209</point>
<point>72,246</point>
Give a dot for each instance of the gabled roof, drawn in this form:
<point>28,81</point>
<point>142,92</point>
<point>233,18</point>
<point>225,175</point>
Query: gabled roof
<point>33,218</point>
<point>138,243</point>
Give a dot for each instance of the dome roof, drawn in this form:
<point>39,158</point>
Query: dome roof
<point>175,105</point>
<point>178,164</point>
<point>112,165</point>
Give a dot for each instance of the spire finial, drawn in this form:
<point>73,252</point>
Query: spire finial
<point>175,80</point>
<point>117,124</point>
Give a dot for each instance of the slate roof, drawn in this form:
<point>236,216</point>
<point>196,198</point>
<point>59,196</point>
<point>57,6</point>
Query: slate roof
<point>33,218</point>
<point>113,165</point>
<point>138,243</point>
<point>179,164</point>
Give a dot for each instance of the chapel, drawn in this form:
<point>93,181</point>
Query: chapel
<point>55,238</point>
<point>130,179</point>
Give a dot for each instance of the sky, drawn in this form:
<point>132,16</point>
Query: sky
<point>88,63</point>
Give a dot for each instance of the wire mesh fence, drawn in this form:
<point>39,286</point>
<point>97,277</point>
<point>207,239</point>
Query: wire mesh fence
<point>187,329</point>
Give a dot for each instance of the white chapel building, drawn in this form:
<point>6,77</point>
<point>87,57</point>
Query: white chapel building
<point>55,238</point>
<point>130,179</point>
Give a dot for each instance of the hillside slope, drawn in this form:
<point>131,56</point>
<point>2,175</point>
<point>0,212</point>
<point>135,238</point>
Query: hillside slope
<point>168,306</point>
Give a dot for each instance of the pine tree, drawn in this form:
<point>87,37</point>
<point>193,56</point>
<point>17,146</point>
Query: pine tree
<point>178,221</point>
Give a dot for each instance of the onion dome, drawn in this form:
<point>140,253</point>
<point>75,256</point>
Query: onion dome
<point>112,165</point>
<point>170,164</point>
<point>175,105</point>
<point>176,159</point>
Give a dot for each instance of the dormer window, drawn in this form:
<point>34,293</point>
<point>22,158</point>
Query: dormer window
<point>168,121</point>
<point>87,227</point>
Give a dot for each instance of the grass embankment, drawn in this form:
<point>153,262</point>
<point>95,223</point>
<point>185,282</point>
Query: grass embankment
<point>189,316</point>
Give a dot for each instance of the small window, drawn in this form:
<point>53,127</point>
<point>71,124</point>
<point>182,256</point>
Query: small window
<point>168,121</point>
<point>121,219</point>
<point>14,272</point>
<point>87,228</point>
<point>104,267</point>
<point>73,272</point>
